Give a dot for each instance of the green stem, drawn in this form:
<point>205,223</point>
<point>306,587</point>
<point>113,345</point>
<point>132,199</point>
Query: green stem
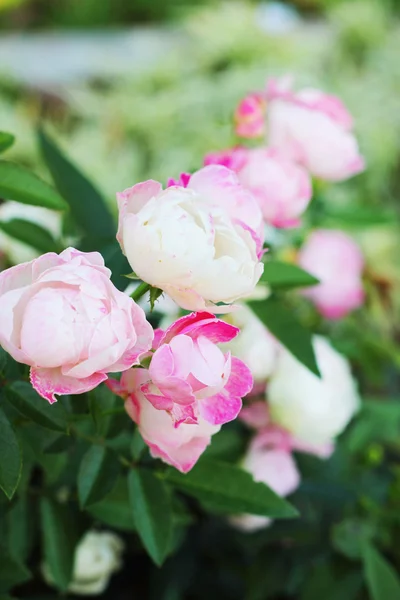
<point>140,291</point>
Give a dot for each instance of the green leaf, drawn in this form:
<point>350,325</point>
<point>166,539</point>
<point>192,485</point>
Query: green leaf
<point>133,276</point>
<point>97,475</point>
<point>137,445</point>
<point>350,535</point>
<point>3,361</point>
<point>16,183</point>
<point>283,275</point>
<point>6,141</point>
<point>32,406</point>
<point>30,233</point>
<point>11,457</point>
<point>107,411</point>
<point>87,206</point>
<point>59,541</point>
<point>114,510</point>
<point>285,327</point>
<point>152,512</point>
<point>12,572</point>
<point>231,489</point>
<point>155,293</point>
<point>382,580</point>
<point>20,524</point>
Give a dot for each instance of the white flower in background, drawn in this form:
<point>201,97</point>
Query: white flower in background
<point>254,345</point>
<point>97,557</point>
<point>312,409</point>
<point>17,251</point>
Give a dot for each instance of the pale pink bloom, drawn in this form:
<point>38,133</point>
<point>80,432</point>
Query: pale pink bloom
<point>336,260</point>
<point>313,129</point>
<point>250,116</point>
<point>277,469</point>
<point>190,377</point>
<point>271,435</point>
<point>199,241</point>
<point>179,446</point>
<point>282,188</point>
<point>62,316</point>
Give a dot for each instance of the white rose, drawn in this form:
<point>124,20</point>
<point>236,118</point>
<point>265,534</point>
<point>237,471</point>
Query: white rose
<point>17,251</point>
<point>195,243</point>
<point>314,410</point>
<point>254,345</point>
<point>97,557</point>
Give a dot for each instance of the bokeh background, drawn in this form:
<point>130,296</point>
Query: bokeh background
<point>133,89</point>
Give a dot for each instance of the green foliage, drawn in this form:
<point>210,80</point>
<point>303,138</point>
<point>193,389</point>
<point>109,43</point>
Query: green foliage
<point>11,458</point>
<point>16,183</point>
<point>281,275</point>
<point>30,405</point>
<point>230,489</point>
<point>382,580</point>
<point>287,329</point>
<point>6,141</point>
<point>59,541</point>
<point>32,234</point>
<point>150,503</point>
<point>97,475</point>
<point>87,207</point>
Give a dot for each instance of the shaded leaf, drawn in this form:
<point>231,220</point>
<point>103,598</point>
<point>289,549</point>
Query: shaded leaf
<point>97,475</point>
<point>11,457</point>
<point>6,141</point>
<point>285,327</point>
<point>137,444</point>
<point>150,502</point>
<point>59,541</point>
<point>230,489</point>
<point>115,510</point>
<point>12,572</point>
<point>155,293</point>
<point>32,406</point>
<point>87,206</point>
<point>16,183</point>
<point>283,275</point>
<point>382,580</point>
<point>30,233</point>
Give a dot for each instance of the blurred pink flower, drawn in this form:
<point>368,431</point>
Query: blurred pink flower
<point>250,116</point>
<point>282,188</point>
<point>313,129</point>
<point>336,260</point>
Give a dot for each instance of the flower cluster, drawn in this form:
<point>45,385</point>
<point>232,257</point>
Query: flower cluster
<point>201,241</point>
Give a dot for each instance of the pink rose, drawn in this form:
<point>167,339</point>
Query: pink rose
<point>282,188</point>
<point>61,315</point>
<point>199,241</point>
<point>179,446</point>
<point>336,260</point>
<point>190,389</point>
<point>250,116</point>
<point>189,376</point>
<point>275,468</point>
<point>313,129</point>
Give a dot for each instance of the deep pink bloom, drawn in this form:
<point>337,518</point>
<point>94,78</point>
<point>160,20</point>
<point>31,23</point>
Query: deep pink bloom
<point>282,188</point>
<point>190,389</point>
<point>180,446</point>
<point>189,376</point>
<point>61,315</point>
<point>250,116</point>
<point>336,260</point>
<point>313,129</point>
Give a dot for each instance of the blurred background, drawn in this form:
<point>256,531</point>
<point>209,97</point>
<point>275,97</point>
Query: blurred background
<point>133,89</point>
